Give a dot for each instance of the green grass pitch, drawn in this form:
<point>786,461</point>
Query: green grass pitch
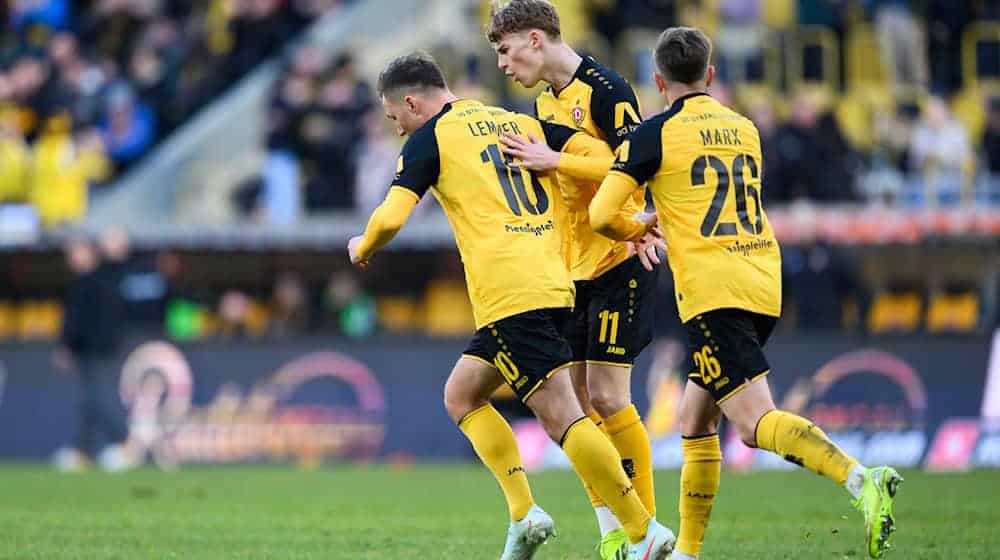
<point>431,512</point>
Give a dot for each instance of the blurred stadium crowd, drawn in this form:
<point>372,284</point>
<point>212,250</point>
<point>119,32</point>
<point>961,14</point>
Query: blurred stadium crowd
<point>863,106</point>
<point>897,102</point>
<point>88,87</point>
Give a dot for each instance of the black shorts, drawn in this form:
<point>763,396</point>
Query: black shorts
<point>613,315</point>
<point>726,349</point>
<point>526,348</point>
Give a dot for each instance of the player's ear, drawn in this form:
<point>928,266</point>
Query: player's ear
<point>709,75</point>
<point>535,39</point>
<point>411,103</point>
<point>661,84</point>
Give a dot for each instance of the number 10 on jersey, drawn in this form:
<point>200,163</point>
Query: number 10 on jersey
<point>511,178</point>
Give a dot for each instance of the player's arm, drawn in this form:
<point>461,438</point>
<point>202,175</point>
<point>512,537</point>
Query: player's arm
<point>384,223</point>
<point>638,161</point>
<point>568,151</point>
<point>585,157</point>
<point>418,169</point>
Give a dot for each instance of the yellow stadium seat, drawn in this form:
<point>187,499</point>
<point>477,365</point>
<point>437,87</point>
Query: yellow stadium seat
<point>969,107</point>
<point>257,319</point>
<point>779,14</point>
<point>895,312</point>
<point>855,120</point>
<point>51,319</point>
<point>863,66</point>
<point>813,36</point>
<point>447,310</point>
<point>8,320</point>
<point>953,312</point>
<point>397,313</point>
<point>39,320</point>
<point>974,35</point>
<point>15,161</point>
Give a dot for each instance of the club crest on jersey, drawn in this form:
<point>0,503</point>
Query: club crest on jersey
<point>578,115</point>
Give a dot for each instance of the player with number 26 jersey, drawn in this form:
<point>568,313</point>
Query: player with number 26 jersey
<point>703,164</point>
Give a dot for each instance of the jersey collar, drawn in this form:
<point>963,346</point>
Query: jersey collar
<point>679,102</point>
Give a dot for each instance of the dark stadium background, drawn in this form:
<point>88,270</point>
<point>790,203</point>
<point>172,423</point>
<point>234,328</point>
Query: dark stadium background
<point>239,144</point>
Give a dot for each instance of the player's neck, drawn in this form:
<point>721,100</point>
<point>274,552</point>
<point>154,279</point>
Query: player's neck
<point>442,99</point>
<point>677,91</point>
<point>561,66</point>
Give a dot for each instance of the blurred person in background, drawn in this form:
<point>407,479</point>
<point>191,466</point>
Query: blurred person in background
<point>15,160</point>
<point>289,305</point>
<point>128,126</point>
<point>279,201</point>
<point>763,115</point>
<point>92,330</point>
<point>63,167</point>
<point>941,154</point>
<point>811,141</point>
<point>346,302</point>
<point>331,133</point>
<point>41,15</point>
<point>901,43</point>
<point>991,148</point>
<point>140,286</point>
<point>817,277</point>
<point>991,137</point>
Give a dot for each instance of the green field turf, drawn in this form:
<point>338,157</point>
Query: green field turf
<point>435,512</point>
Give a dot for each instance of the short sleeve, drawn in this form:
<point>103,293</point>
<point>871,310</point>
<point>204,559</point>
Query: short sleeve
<point>419,162</point>
<point>557,135</point>
<point>615,110</point>
<point>640,156</point>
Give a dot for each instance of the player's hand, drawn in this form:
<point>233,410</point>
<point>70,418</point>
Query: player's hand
<point>533,153</point>
<point>352,252</point>
<point>647,247</point>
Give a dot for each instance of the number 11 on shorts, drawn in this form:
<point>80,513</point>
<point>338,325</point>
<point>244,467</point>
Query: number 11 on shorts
<point>608,317</point>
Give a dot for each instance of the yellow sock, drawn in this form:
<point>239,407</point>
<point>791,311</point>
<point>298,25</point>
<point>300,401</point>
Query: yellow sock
<point>629,437</point>
<point>699,483</point>
<point>801,442</point>
<point>598,464</point>
<point>595,500</point>
<point>494,442</point>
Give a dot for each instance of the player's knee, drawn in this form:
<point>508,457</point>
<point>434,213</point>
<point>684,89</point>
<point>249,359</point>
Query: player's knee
<point>458,404</point>
<point>747,431</point>
<point>608,400</point>
<point>693,427</point>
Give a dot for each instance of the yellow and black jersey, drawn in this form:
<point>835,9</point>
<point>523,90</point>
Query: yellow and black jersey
<point>702,162</point>
<point>504,217</point>
<point>601,103</point>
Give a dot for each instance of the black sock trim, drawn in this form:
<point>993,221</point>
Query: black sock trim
<point>562,440</point>
<point>470,413</point>
<point>706,436</point>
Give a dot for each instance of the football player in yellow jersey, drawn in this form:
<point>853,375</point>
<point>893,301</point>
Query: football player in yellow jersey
<point>613,311</point>
<point>522,297</point>
<point>702,162</point>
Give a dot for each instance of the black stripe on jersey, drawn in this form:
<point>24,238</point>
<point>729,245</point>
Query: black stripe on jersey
<point>609,90</point>
<point>421,158</point>
<point>645,152</point>
<point>556,135</point>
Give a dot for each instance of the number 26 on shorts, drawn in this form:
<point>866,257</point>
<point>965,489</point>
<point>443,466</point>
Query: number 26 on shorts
<point>708,365</point>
